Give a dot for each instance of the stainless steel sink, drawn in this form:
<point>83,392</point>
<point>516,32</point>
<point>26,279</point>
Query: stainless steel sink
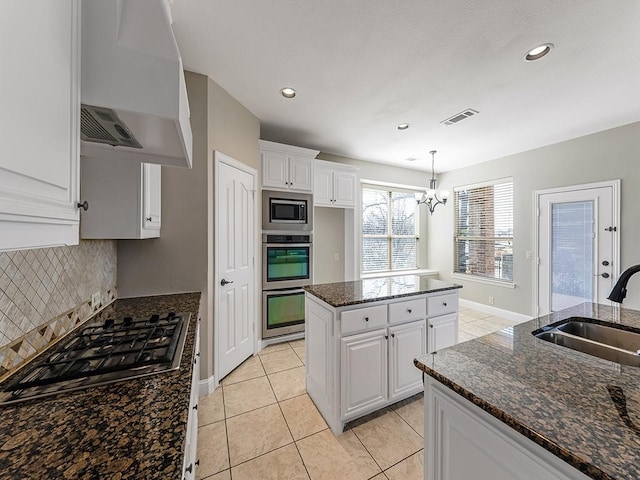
<point>610,341</point>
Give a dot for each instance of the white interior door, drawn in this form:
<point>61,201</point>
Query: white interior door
<point>235,270</point>
<point>577,245</point>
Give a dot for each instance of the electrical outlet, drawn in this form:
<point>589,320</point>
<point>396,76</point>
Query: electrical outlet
<point>492,300</point>
<point>95,300</point>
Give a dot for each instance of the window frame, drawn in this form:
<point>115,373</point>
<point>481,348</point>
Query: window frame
<point>456,235</point>
<point>389,189</point>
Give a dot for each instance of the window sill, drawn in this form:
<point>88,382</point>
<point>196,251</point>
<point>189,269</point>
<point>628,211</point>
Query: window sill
<point>488,281</point>
<point>422,271</point>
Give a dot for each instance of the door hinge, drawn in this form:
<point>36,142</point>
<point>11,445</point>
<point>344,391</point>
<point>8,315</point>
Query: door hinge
<point>537,212</point>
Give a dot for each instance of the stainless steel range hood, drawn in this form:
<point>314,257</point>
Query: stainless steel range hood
<point>133,90</point>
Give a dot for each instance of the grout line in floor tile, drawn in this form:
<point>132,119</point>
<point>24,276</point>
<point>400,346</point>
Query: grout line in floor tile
<point>391,466</point>
<point>287,423</point>
<point>367,450</point>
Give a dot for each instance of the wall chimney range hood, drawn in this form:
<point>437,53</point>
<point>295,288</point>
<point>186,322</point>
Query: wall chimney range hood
<point>134,97</point>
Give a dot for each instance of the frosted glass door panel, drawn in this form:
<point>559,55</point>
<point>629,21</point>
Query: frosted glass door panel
<point>571,254</point>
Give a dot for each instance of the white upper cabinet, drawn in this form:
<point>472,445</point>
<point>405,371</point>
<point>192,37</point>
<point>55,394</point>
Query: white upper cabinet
<point>123,197</point>
<point>334,185</point>
<point>40,98</point>
<point>285,167</point>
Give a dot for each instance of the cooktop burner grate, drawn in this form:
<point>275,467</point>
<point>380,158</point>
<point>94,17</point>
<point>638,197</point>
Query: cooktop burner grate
<point>103,353</point>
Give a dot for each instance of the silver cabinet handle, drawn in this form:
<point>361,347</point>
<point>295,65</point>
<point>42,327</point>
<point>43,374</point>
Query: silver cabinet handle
<point>224,282</point>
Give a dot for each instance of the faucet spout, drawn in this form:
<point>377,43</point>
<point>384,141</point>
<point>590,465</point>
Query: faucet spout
<point>619,290</point>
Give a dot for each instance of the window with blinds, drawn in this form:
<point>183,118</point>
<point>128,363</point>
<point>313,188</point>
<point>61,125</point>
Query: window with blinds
<point>389,230</point>
<point>483,230</point>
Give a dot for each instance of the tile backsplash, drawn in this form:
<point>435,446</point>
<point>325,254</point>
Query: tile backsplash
<point>46,292</point>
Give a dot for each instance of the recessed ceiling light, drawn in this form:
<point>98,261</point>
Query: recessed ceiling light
<point>403,126</point>
<point>538,52</point>
<point>288,92</point>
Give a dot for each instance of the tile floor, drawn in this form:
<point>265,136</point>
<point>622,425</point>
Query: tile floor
<point>260,424</point>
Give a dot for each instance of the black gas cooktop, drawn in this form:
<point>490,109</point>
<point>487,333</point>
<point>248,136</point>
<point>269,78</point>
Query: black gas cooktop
<point>101,353</point>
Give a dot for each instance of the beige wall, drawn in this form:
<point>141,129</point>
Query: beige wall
<point>607,155</point>
<point>178,260</point>
<point>328,241</point>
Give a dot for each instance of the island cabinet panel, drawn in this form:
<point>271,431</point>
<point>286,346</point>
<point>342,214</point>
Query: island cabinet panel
<point>364,372</point>
<point>319,356</point>
<point>443,332</point>
<point>406,342</point>
<point>462,441</point>
<point>360,358</point>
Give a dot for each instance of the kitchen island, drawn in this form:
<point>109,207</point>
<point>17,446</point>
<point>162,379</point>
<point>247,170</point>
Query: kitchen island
<point>133,429</point>
<point>362,337</point>
<point>511,406</point>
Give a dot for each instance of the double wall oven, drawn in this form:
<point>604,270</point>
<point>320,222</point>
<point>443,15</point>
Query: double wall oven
<point>287,258</point>
<point>286,266</point>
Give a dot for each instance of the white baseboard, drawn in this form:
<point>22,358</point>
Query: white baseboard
<point>498,312</point>
<point>206,386</point>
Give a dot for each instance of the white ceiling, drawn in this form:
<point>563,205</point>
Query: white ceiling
<point>361,67</point>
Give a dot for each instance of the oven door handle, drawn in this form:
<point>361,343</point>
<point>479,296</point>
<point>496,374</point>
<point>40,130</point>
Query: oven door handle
<point>288,245</point>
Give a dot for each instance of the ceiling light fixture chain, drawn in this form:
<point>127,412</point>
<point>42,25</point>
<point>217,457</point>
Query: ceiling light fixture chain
<point>430,196</point>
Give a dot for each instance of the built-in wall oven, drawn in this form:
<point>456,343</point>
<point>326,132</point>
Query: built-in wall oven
<point>287,264</point>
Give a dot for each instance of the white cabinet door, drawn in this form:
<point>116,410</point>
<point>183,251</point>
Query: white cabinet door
<point>443,332</point>
<point>406,343</point>
<point>275,170</point>
<point>40,98</point>
<point>151,198</point>
<point>300,174</point>
<point>322,187</point>
<point>344,189</point>
<point>123,197</point>
<point>364,372</point>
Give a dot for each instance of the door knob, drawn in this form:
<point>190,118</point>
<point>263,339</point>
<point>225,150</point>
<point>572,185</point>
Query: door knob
<point>224,282</point>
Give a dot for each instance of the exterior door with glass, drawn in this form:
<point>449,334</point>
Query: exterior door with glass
<point>577,245</point>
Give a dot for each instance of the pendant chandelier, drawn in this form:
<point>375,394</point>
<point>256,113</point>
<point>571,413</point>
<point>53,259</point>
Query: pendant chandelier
<point>431,197</point>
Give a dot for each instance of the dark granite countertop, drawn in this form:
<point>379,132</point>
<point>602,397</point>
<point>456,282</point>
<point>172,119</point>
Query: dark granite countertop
<point>134,429</point>
<point>557,397</point>
<point>342,294</point>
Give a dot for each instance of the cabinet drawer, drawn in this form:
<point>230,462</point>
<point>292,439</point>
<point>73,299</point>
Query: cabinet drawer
<point>442,304</point>
<point>363,319</point>
<point>407,310</point>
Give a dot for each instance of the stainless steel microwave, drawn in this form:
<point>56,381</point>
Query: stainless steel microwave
<point>287,211</point>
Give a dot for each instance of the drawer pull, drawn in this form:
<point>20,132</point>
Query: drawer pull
<point>195,407</point>
<point>393,335</point>
<point>189,468</point>
<point>409,310</point>
<point>444,303</point>
<point>430,326</point>
<point>386,337</point>
<point>366,319</point>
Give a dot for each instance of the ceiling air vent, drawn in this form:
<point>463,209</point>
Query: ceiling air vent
<point>102,125</point>
<point>460,116</point>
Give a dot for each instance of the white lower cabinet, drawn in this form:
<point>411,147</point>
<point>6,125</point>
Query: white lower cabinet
<point>191,462</point>
<point>443,332</point>
<point>364,372</point>
<point>406,342</point>
<point>462,441</point>
<point>360,359</point>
